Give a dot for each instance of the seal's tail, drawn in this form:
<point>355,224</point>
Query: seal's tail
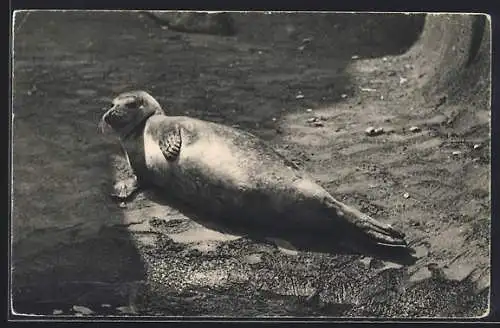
<point>367,235</point>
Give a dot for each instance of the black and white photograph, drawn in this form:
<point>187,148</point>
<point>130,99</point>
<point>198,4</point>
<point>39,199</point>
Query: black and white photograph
<point>250,165</point>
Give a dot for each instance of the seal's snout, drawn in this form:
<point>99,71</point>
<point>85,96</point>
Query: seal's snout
<point>112,116</point>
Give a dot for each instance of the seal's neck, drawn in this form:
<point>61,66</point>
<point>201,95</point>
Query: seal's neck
<point>136,128</point>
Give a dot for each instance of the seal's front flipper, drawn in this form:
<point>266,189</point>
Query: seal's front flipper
<point>124,189</point>
<point>170,144</point>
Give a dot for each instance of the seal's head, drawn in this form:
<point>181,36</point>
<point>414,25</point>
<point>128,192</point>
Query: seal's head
<point>129,111</point>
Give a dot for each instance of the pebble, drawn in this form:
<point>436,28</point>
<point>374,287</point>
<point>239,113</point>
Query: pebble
<point>371,131</point>
<point>299,96</point>
<point>354,57</point>
<point>415,129</point>
<point>406,195</point>
<point>456,152</point>
<point>56,312</point>
<point>343,96</point>
<point>309,110</point>
<point>106,305</point>
<point>312,120</point>
<point>82,309</point>
<point>477,146</point>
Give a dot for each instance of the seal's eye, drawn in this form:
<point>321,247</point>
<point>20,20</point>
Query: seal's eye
<point>130,105</point>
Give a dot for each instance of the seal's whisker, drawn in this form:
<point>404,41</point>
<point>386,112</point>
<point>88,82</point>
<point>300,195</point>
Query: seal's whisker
<point>103,126</point>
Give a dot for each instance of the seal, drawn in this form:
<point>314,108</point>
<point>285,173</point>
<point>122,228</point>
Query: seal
<point>236,179</point>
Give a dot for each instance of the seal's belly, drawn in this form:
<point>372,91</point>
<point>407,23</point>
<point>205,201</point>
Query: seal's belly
<point>241,185</point>
<point>206,172</point>
<point>216,158</point>
<point>214,176</point>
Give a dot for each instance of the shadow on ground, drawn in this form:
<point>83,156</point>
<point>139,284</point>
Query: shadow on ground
<point>69,247</point>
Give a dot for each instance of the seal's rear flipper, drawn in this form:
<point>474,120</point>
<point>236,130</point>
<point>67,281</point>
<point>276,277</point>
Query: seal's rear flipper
<point>368,236</point>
